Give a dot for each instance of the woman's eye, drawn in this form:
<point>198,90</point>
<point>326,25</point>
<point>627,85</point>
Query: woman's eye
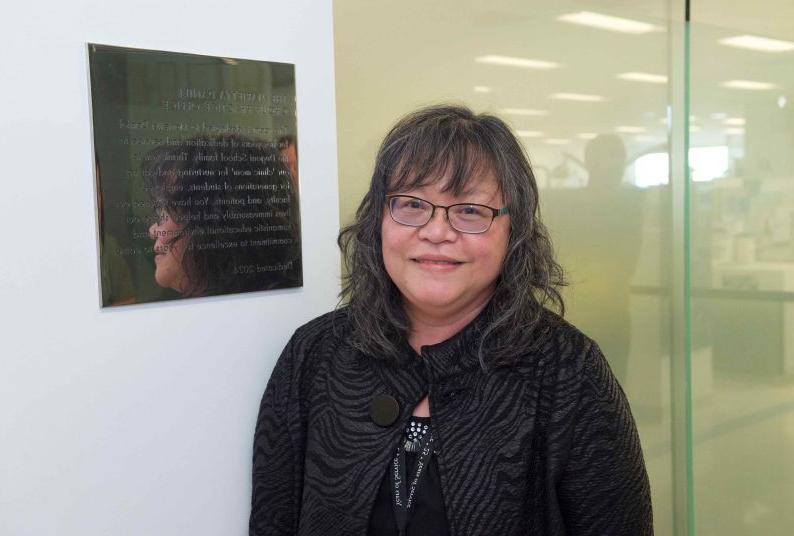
<point>470,211</point>
<point>408,203</point>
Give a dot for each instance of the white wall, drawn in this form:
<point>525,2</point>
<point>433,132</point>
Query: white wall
<point>137,420</point>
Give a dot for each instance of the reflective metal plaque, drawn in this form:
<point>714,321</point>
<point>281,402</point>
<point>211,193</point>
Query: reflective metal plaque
<point>196,174</point>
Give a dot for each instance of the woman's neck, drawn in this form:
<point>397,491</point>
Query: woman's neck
<point>428,328</point>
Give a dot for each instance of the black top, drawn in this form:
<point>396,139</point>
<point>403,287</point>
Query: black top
<point>427,516</point>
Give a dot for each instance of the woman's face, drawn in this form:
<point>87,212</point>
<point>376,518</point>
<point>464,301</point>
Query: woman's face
<point>169,248</point>
<point>441,271</point>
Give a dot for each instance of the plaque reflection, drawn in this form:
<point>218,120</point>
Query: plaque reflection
<point>224,216</point>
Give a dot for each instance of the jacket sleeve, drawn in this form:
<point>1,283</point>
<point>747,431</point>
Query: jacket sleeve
<point>275,497</point>
<point>604,487</point>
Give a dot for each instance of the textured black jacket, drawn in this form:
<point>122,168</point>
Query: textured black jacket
<point>546,446</point>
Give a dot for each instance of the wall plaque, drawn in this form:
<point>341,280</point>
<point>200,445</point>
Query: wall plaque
<point>196,174</point>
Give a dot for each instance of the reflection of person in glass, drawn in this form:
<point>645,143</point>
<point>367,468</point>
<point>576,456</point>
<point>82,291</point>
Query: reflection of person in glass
<point>451,277</point>
<point>225,216</point>
<point>598,230</point>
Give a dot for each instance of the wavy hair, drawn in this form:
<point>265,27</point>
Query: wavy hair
<point>451,142</point>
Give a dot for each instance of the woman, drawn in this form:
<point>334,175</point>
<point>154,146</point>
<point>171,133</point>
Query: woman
<point>447,327</point>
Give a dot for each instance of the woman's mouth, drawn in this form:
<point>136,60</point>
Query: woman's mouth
<point>425,261</point>
<point>439,262</point>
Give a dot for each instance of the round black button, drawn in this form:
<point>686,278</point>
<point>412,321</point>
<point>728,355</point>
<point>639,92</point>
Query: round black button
<point>384,410</point>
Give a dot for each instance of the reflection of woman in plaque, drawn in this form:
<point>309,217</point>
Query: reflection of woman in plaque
<point>445,397</point>
<point>169,252</point>
<point>225,216</point>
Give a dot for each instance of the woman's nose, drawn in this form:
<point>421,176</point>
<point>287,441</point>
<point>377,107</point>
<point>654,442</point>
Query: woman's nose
<point>152,229</point>
<point>438,228</point>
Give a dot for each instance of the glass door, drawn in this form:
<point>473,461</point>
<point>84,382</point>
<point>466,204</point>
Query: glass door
<point>741,167</point>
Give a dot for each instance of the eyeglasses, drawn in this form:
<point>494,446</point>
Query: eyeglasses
<point>463,217</point>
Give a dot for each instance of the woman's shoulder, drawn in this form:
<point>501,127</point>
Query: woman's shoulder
<point>332,323</point>
<point>313,343</point>
<point>556,333</point>
<point>560,344</point>
<point>327,332</point>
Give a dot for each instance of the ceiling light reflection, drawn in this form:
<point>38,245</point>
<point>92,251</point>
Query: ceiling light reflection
<point>757,43</point>
<point>607,22</point>
<point>511,61</point>
<point>748,84</point>
<point>644,77</point>
<point>579,97</point>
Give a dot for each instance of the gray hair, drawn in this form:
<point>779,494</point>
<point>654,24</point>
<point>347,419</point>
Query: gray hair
<point>451,141</point>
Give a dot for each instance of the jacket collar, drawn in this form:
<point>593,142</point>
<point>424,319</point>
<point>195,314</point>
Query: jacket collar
<point>455,355</point>
<point>448,358</point>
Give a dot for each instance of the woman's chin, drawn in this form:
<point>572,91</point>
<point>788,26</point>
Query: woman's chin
<point>166,280</point>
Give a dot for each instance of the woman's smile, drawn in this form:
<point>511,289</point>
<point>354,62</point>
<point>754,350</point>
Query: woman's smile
<point>436,263</point>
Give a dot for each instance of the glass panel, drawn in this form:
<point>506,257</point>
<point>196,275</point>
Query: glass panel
<point>742,165</point>
<point>588,94</point>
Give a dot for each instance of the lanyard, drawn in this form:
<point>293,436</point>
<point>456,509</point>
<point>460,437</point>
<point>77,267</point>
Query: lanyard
<point>402,495</point>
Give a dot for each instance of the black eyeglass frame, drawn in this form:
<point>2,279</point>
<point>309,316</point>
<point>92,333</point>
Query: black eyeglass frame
<point>494,212</point>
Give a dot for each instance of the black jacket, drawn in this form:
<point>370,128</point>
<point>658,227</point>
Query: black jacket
<point>546,446</point>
